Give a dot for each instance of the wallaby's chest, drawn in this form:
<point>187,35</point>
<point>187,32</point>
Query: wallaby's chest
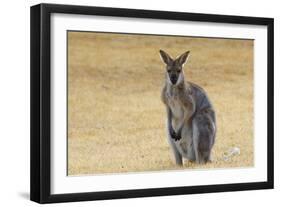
<point>176,106</point>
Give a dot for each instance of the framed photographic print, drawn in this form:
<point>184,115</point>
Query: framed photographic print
<point>133,103</point>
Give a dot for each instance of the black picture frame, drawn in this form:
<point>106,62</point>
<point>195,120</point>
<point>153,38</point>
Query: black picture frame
<point>40,184</point>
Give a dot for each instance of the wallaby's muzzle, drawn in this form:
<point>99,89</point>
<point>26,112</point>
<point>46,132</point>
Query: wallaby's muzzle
<point>174,78</point>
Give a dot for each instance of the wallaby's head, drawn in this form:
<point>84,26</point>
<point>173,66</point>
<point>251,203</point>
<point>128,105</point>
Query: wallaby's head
<point>174,67</point>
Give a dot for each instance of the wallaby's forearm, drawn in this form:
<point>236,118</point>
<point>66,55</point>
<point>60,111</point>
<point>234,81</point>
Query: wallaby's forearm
<point>189,109</point>
<point>187,116</point>
<point>170,127</point>
<point>173,134</point>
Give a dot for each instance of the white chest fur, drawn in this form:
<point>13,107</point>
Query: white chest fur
<point>177,111</point>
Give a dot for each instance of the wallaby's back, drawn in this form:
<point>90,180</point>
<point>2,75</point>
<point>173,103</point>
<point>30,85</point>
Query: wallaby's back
<point>201,100</point>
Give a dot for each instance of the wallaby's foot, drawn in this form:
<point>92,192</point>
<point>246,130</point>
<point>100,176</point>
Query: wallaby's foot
<point>179,163</point>
<point>210,160</point>
<point>203,160</point>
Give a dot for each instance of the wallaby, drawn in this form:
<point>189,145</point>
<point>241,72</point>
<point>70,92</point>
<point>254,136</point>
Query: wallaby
<point>191,122</point>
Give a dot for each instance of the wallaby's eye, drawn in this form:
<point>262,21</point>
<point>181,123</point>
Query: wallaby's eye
<point>169,71</point>
<point>178,71</point>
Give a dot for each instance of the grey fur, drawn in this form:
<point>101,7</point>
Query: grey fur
<point>191,122</point>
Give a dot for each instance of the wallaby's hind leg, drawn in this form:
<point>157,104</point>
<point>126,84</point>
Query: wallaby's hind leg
<point>203,137</point>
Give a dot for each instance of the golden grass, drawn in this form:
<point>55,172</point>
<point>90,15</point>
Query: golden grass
<point>116,120</point>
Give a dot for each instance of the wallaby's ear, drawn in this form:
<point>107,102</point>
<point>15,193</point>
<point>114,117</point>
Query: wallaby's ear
<point>165,57</point>
<point>183,58</point>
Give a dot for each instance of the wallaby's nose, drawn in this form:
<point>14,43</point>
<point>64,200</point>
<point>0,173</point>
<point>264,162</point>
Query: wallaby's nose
<point>174,79</point>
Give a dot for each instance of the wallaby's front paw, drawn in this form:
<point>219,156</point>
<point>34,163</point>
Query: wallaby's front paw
<point>175,136</point>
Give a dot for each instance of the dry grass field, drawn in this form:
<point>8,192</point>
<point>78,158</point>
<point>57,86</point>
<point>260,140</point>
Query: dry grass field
<point>116,120</point>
